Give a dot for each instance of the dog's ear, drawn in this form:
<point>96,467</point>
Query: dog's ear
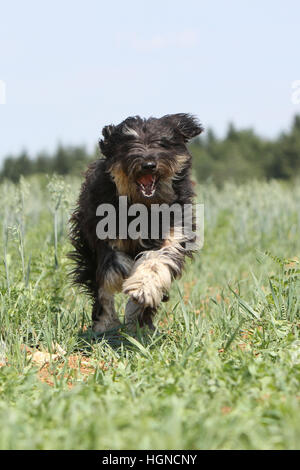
<point>186,125</point>
<point>107,131</point>
<point>104,143</point>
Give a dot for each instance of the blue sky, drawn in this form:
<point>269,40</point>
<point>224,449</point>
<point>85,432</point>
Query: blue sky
<point>70,67</point>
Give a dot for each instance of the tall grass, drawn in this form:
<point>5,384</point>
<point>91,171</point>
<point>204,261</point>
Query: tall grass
<point>222,373</point>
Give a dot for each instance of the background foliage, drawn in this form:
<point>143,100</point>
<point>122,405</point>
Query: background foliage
<point>239,156</point>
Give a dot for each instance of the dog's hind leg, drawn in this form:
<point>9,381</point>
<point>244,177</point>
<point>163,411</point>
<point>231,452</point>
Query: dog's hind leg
<point>146,318</point>
<point>104,315</point>
<point>132,313</point>
<point>136,313</point>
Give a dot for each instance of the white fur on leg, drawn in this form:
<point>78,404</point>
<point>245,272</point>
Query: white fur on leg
<point>108,318</point>
<point>152,274</point>
<point>151,277</point>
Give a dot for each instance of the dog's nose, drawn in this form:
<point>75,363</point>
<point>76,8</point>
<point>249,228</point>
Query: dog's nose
<point>149,165</point>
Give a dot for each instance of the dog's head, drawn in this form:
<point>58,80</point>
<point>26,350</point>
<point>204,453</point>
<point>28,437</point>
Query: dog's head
<point>145,155</point>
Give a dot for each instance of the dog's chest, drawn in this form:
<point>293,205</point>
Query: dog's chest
<point>128,246</point>
<point>134,247</point>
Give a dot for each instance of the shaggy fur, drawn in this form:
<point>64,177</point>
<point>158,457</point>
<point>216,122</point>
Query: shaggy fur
<point>136,152</point>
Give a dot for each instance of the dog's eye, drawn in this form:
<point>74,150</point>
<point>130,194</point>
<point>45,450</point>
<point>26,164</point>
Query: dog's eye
<point>164,145</point>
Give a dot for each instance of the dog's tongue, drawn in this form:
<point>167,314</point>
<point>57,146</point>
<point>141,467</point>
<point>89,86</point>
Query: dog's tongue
<point>146,180</point>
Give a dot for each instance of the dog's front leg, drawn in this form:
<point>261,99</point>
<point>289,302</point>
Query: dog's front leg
<point>113,267</point>
<point>152,275</point>
<point>104,315</point>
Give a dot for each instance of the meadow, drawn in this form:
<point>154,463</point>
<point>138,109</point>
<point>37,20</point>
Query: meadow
<point>221,372</point>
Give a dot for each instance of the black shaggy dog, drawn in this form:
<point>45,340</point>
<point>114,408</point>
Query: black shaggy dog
<point>146,160</point>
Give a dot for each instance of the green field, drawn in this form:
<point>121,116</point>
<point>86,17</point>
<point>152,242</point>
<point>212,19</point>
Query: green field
<point>224,370</point>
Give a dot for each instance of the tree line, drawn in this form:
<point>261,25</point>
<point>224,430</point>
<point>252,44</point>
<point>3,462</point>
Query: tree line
<point>238,156</point>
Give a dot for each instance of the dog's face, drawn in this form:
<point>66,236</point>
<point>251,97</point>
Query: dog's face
<point>145,156</point>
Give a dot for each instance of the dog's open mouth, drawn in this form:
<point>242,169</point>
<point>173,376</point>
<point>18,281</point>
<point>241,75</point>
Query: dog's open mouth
<point>147,185</point>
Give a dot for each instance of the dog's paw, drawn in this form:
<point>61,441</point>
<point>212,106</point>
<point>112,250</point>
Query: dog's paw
<point>144,291</point>
<point>149,281</point>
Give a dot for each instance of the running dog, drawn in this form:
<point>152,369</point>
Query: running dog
<point>147,161</point>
